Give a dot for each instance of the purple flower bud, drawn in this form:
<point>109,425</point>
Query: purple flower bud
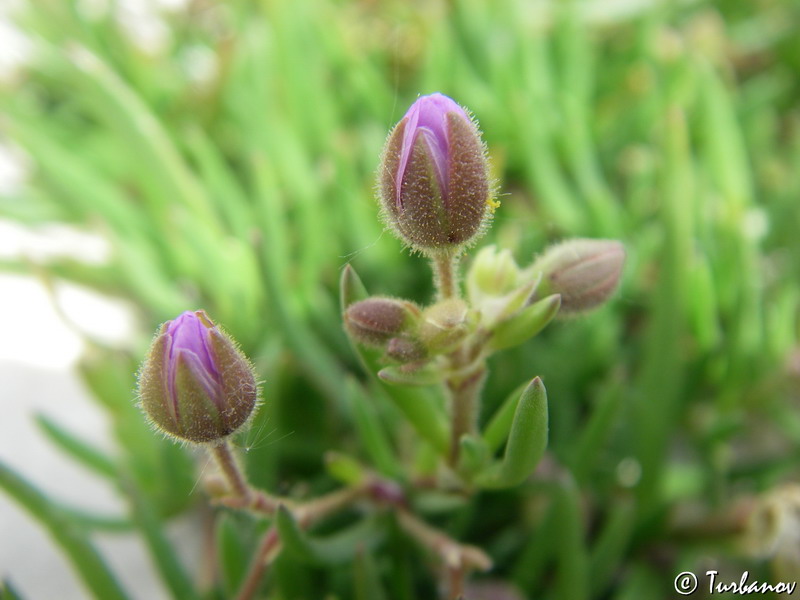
<point>433,181</point>
<point>195,384</point>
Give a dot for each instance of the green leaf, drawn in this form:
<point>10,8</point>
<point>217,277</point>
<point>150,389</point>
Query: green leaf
<point>429,374</point>
<point>525,324</point>
<point>572,577</point>
<point>334,549</point>
<point>473,455</point>
<point>496,432</point>
<point>613,538</point>
<point>371,433</point>
<point>7,591</point>
<point>87,562</point>
<point>233,554</point>
<point>366,579</point>
<point>421,406</point>
<point>351,288</point>
<point>526,442</point>
<point>167,563</point>
<point>344,468</point>
<point>92,458</point>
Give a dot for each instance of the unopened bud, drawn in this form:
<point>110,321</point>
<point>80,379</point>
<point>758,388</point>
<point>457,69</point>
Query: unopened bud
<point>195,384</point>
<point>405,350</point>
<point>376,320</point>
<point>493,273</point>
<point>433,180</point>
<point>444,324</point>
<point>584,272</point>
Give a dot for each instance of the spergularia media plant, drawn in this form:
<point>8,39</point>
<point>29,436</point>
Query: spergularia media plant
<point>436,195</point>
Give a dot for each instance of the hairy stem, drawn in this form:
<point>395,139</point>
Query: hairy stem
<point>464,388</point>
<point>465,392</point>
<point>267,551</point>
<point>453,554</point>
<point>306,515</point>
<point>444,275</point>
<point>237,481</point>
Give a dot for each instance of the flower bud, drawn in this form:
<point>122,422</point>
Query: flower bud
<point>585,272</point>
<point>444,324</point>
<point>493,273</point>
<point>195,384</point>
<point>433,180</point>
<point>375,320</point>
<point>405,350</point>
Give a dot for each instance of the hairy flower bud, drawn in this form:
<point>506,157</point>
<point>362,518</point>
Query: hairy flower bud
<point>585,272</point>
<point>433,180</point>
<point>195,384</point>
<point>405,350</point>
<point>444,324</point>
<point>375,320</point>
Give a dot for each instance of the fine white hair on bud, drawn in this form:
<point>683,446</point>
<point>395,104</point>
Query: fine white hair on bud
<point>195,384</point>
<point>584,272</point>
<point>433,182</point>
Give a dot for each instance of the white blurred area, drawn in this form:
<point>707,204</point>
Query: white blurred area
<point>42,327</point>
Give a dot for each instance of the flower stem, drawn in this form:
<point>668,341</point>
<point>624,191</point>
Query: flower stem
<point>267,551</point>
<point>464,405</point>
<point>231,470</point>
<point>453,554</point>
<point>444,275</point>
<point>464,388</point>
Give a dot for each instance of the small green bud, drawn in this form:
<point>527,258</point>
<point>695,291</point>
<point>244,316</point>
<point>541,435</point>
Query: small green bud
<point>444,324</point>
<point>195,384</point>
<point>376,320</point>
<point>497,287</point>
<point>584,272</point>
<point>493,273</point>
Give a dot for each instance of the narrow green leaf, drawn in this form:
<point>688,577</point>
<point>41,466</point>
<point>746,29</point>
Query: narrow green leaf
<point>95,522</point>
<point>351,288</point>
<point>92,458</point>
<point>320,365</point>
<point>334,549</point>
<point>122,107</point>
<point>496,432</point>
<point>87,562</point>
<point>7,591</point>
<point>608,552</point>
<point>344,468</point>
<point>473,456</point>
<point>594,436</point>
<point>572,577</point>
<point>233,555</point>
<point>525,324</point>
<point>366,579</point>
<point>165,560</point>
<point>526,441</point>
<point>429,374</point>
<point>371,432</point>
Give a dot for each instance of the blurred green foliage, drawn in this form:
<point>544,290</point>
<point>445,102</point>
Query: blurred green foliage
<point>229,162</point>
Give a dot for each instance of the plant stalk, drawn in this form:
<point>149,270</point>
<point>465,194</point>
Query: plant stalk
<point>444,275</point>
<point>237,481</point>
<point>465,392</point>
